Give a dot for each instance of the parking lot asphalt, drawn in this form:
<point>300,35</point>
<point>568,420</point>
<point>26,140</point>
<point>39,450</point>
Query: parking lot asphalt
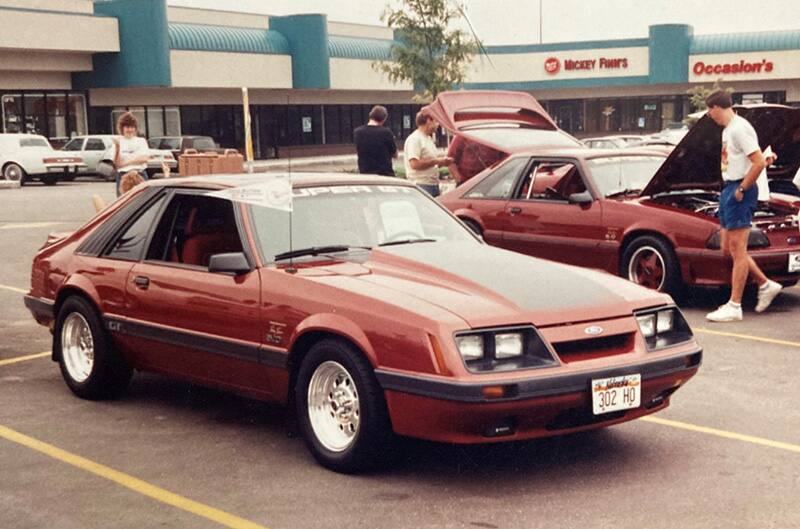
<point>171,454</point>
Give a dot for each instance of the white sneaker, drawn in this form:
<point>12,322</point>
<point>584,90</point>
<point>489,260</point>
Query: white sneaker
<point>725,313</point>
<point>767,294</point>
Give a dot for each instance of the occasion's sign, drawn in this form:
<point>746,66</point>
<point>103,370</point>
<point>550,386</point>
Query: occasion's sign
<point>745,66</point>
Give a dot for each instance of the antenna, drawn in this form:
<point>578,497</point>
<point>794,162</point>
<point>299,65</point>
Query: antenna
<point>291,269</point>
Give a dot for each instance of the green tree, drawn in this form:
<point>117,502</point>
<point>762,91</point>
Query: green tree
<point>698,94</point>
<point>428,51</point>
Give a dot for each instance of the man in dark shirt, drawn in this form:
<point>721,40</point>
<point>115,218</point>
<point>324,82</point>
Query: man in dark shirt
<point>375,144</point>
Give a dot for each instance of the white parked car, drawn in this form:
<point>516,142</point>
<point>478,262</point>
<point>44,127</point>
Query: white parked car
<point>97,148</point>
<point>24,157</point>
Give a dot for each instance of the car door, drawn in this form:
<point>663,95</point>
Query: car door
<point>185,320</point>
<point>542,221</point>
<point>93,152</point>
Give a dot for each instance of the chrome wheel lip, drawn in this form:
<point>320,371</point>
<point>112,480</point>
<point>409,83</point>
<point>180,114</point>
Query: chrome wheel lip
<point>13,173</point>
<point>77,347</point>
<point>633,276</point>
<point>333,406</point>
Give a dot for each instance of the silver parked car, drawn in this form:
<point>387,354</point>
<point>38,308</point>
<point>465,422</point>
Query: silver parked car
<point>97,148</point>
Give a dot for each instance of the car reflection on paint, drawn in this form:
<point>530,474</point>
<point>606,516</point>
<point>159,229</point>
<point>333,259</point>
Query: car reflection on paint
<point>381,315</point>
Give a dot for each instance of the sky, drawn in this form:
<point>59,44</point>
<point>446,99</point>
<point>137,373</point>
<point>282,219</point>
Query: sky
<point>517,21</point>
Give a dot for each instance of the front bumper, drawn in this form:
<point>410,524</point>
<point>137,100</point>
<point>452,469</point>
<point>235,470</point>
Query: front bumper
<point>457,412</point>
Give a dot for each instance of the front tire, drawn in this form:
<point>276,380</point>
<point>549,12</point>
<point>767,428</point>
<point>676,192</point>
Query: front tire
<point>90,365</point>
<point>341,409</point>
<point>49,179</point>
<point>650,262</point>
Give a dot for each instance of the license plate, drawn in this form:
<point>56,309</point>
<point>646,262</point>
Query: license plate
<point>616,393</point>
<point>794,261</point>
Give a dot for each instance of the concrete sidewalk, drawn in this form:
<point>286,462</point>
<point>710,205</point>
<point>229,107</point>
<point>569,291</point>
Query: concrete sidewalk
<point>339,162</point>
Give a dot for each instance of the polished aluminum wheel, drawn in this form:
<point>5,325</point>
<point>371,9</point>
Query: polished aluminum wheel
<point>333,408</point>
<point>77,347</point>
<point>647,268</point>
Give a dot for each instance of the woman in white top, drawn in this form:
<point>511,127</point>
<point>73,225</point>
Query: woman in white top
<point>131,151</point>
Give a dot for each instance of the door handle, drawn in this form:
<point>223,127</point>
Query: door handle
<point>142,282</point>
<point>515,211</point>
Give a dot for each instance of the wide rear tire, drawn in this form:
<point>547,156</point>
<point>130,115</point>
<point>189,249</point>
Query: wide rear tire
<point>92,368</point>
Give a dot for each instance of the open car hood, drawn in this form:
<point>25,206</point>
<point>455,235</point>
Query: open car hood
<point>502,120</point>
<point>695,161</point>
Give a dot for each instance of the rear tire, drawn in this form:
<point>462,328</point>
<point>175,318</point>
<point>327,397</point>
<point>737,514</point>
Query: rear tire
<point>651,262</point>
<point>12,172</point>
<point>341,409</point>
<point>92,368</point>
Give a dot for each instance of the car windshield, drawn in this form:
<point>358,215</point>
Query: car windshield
<point>615,175</point>
<point>355,216</point>
<point>33,142</point>
<point>514,137</point>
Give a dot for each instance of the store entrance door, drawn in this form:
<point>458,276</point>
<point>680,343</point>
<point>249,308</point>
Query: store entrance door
<point>568,115</point>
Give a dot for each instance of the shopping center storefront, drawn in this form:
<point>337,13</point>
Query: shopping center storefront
<point>69,67</point>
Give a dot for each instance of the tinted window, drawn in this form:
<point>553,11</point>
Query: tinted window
<point>153,143</point>
<point>33,142</point>
<point>551,180</point>
<point>499,183</point>
<point>73,145</point>
<point>203,143</point>
<point>193,228</point>
<point>94,144</point>
<point>130,245</point>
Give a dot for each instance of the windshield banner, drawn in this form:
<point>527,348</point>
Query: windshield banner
<point>275,192</point>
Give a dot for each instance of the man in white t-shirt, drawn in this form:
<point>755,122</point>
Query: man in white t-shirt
<point>737,203</point>
<point>421,156</point>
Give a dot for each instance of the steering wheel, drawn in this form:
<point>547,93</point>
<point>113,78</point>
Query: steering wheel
<point>402,235</point>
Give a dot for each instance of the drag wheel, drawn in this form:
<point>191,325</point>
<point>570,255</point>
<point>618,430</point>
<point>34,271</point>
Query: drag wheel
<point>13,173</point>
<point>49,179</point>
<point>651,262</point>
<point>341,409</point>
<point>90,365</point>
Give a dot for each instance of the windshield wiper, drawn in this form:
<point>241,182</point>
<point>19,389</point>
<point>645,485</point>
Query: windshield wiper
<point>406,241</point>
<point>316,250</point>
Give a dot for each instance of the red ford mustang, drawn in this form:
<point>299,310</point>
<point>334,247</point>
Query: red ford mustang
<point>633,212</point>
<point>381,314</point>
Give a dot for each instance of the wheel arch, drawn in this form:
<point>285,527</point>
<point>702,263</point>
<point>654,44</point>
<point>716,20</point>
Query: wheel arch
<point>468,214</point>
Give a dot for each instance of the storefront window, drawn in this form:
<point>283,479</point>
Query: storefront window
<point>35,114</point>
<point>172,121</point>
<point>12,113</point>
<point>57,117</point>
<point>76,115</point>
<point>155,121</point>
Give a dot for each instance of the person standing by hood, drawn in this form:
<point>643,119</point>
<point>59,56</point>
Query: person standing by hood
<point>131,152</point>
<point>737,204</point>
<point>375,144</point>
<point>421,156</point>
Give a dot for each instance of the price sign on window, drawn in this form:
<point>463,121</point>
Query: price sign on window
<point>306,123</point>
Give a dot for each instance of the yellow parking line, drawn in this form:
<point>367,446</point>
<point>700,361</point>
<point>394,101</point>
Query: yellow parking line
<point>703,330</point>
<point>22,225</point>
<point>722,433</point>
<point>13,289</point>
<point>17,359</point>
<point>137,485</point>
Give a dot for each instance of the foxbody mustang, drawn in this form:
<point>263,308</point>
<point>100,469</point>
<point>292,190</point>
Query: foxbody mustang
<point>382,314</point>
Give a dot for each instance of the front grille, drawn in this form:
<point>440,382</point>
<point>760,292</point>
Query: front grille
<point>590,348</point>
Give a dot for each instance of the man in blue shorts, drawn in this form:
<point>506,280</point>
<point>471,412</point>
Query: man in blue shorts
<point>737,203</point>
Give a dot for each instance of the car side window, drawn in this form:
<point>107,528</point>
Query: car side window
<point>498,184</point>
<point>551,180</point>
<point>73,145</point>
<point>130,245</point>
<point>93,144</point>
<point>192,229</point>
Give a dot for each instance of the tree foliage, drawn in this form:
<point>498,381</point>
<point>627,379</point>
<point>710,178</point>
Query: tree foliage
<point>427,51</point>
<point>699,93</point>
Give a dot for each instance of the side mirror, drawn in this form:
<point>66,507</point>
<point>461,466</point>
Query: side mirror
<point>581,198</point>
<point>231,263</point>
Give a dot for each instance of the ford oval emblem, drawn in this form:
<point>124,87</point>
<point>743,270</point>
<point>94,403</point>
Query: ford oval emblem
<point>593,330</point>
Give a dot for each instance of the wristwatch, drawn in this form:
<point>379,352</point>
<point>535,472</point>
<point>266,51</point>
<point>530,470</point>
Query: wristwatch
<point>742,189</point>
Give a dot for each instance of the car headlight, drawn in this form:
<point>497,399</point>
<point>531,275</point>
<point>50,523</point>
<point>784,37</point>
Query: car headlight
<point>755,239</point>
<point>508,345</point>
<point>663,327</point>
<point>470,347</point>
<point>503,349</point>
